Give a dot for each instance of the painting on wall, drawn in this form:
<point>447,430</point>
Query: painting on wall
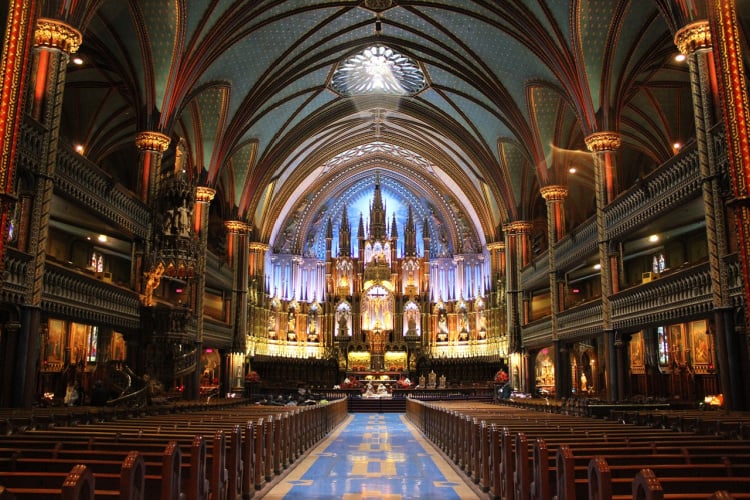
<point>700,343</point>
<point>677,344</point>
<point>55,341</point>
<point>636,352</point>
<point>117,347</point>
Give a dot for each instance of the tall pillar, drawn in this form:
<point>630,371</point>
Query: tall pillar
<point>555,198</point>
<point>237,255</point>
<point>151,146</point>
<point>203,197</point>
<point>237,233</point>
<point>16,52</point>
<point>259,295</point>
<point>604,145</point>
<point>694,41</point>
<point>517,256</point>
<point>728,39</point>
<point>54,41</point>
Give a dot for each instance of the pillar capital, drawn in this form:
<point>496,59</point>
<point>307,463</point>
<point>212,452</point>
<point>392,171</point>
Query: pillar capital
<point>258,246</point>
<point>498,245</point>
<point>204,194</point>
<point>695,36</point>
<point>603,141</point>
<point>554,193</point>
<point>54,34</point>
<point>518,226</point>
<point>152,141</point>
<point>237,226</point>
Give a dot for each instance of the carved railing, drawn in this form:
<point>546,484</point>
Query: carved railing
<point>185,363</point>
<point>674,183</point>
<point>173,323</point>
<point>217,333</point>
<point>672,298</point>
<point>581,321</point>
<point>72,293</point>
<point>536,274</point>
<point>666,188</point>
<point>16,267</point>
<point>537,333</point>
<point>89,186</point>
<point>83,181</point>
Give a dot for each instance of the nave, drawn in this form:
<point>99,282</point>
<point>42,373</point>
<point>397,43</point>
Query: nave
<point>372,455</point>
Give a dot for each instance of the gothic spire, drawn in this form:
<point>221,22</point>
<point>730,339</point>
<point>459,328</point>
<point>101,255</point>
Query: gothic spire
<point>377,214</point>
<point>345,236</point>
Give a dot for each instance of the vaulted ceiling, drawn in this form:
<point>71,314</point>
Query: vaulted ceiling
<point>513,88</point>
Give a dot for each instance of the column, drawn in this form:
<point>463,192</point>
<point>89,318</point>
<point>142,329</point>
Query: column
<point>517,256</point>
<point>151,146</point>
<point>729,50</point>
<point>237,257</point>
<point>694,41</point>
<point>203,197</point>
<point>555,198</point>
<point>54,42</point>
<point>18,39</point>
<point>604,145</point>
<point>16,54</point>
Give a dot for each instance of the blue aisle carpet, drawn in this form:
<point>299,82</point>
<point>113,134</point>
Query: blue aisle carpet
<point>373,456</point>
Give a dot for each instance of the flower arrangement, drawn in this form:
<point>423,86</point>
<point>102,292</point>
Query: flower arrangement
<point>252,376</point>
<point>501,376</point>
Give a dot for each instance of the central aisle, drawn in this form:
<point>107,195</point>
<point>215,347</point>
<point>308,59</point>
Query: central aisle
<point>375,456</point>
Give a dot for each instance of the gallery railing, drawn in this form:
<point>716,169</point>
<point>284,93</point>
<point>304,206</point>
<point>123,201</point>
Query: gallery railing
<point>72,293</point>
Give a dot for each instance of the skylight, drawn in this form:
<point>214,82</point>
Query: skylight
<point>378,70</point>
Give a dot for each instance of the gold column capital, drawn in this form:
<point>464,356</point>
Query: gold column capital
<point>694,36</point>
<point>554,193</point>
<point>237,226</point>
<point>497,245</point>
<point>258,246</point>
<point>152,141</point>
<point>55,34</point>
<point>518,226</point>
<point>603,141</point>
<point>204,194</point>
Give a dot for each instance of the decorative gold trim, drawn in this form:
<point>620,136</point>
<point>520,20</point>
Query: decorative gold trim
<point>518,226</point>
<point>498,245</point>
<point>554,193</point>
<point>236,226</point>
<point>603,141</point>
<point>204,194</point>
<point>152,141</point>
<point>258,246</point>
<point>694,36</point>
<point>56,34</point>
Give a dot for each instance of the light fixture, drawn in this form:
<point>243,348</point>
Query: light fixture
<point>677,146</point>
<point>572,170</point>
<point>79,149</point>
<point>102,238</point>
<point>653,238</point>
<point>77,60</point>
<point>680,57</point>
<point>597,266</point>
<point>378,70</point>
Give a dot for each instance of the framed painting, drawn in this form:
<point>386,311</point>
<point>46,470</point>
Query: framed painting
<point>636,350</point>
<point>55,341</point>
<point>700,342</point>
<point>677,343</point>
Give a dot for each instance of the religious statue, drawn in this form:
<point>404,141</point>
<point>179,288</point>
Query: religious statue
<point>431,380</point>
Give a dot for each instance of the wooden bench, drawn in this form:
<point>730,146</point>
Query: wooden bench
<point>492,447</point>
